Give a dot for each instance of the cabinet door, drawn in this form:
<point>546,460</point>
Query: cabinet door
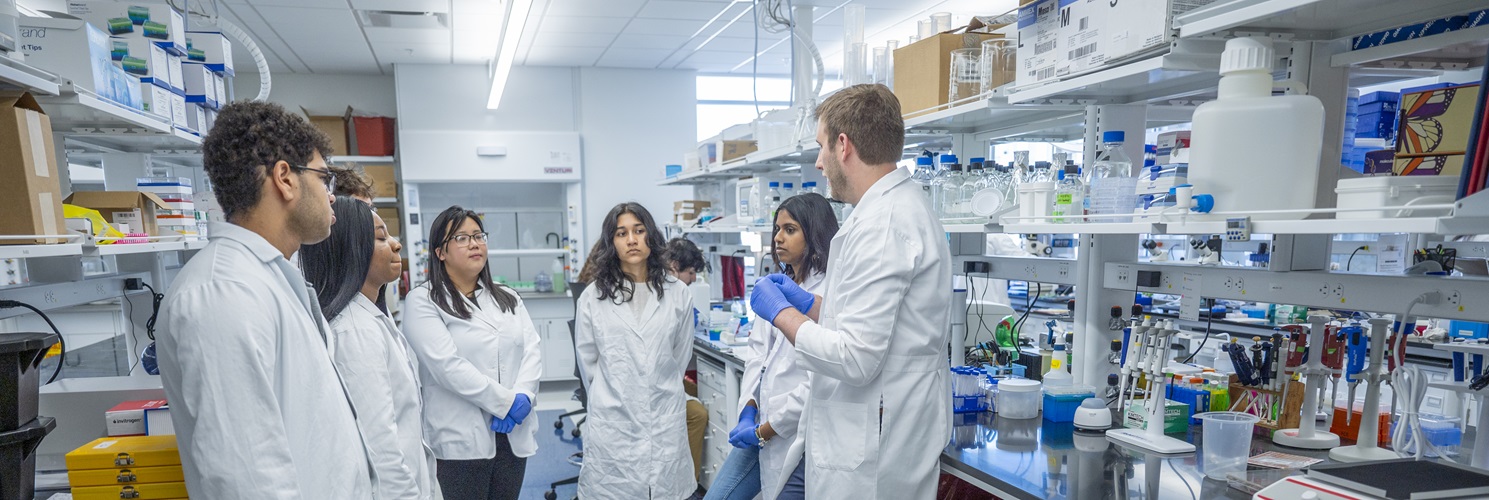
<point>539,230</point>
<point>558,350</point>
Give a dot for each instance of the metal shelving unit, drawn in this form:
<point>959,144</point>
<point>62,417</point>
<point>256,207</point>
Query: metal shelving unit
<point>17,75</point>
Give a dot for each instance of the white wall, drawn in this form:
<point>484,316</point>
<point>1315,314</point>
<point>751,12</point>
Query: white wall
<point>453,97</point>
<point>324,94</point>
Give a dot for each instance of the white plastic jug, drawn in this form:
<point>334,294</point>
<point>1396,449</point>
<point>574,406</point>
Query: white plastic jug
<point>1253,150</point>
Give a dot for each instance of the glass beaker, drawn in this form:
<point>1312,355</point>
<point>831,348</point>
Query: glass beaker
<point>889,49</point>
<point>942,21</point>
<point>881,67</point>
<point>999,65</point>
<point>966,74</point>
<point>925,28</point>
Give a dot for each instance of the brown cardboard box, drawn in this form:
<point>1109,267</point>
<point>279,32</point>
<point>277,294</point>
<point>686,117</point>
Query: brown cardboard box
<point>688,210</point>
<point>30,193</point>
<point>737,149</point>
<point>334,127</point>
<point>136,208</point>
<point>393,219</point>
<point>922,70</point>
<point>384,180</point>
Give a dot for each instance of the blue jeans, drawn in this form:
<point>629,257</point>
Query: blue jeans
<point>739,478</point>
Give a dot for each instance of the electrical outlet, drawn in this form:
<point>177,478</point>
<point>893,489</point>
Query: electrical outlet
<point>1168,282</point>
<point>1124,275</point>
<point>1454,297</point>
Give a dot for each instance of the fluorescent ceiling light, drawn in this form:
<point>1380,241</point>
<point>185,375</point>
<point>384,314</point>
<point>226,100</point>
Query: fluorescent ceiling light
<point>515,22</point>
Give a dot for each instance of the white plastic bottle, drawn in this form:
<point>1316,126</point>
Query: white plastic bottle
<point>1252,150</point>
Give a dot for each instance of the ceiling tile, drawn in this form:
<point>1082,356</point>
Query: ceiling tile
<point>274,49</point>
<point>552,39</point>
<point>482,7</point>
<point>731,44</point>
<point>302,27</point>
<point>567,24</point>
<point>633,58</point>
<point>403,5</point>
<point>602,8</point>
<point>631,41</point>
<point>674,9</point>
<point>474,46</point>
<point>564,56</point>
<point>339,57</point>
<point>647,26</point>
<point>406,35</point>
<point>427,53</point>
<point>323,4</point>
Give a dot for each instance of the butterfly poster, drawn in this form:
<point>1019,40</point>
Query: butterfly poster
<point>1434,129</point>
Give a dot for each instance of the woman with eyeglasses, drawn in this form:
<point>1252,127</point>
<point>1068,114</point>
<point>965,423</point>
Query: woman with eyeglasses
<point>634,336</point>
<point>376,364</point>
<point>480,360</point>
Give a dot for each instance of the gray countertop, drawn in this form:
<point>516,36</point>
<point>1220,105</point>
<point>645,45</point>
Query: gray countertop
<point>724,352</point>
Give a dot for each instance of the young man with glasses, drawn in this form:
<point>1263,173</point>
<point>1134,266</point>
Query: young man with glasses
<point>259,408</point>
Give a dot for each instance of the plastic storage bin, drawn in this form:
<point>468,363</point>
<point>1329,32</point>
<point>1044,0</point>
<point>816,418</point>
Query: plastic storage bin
<point>18,458</point>
<point>1395,191</point>
<point>20,379</point>
<point>1468,330</point>
<point>1060,403</point>
<point>1018,398</point>
<point>1443,432</point>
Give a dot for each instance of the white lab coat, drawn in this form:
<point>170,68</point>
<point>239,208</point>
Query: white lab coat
<point>472,370</point>
<point>382,377</point>
<point>882,341</point>
<point>779,388</point>
<point>635,436</point>
<point>259,409</point>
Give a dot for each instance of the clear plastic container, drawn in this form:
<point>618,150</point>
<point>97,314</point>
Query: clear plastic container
<point>966,74</point>
<point>1018,398</point>
<point>1060,403</point>
<point>1227,442</point>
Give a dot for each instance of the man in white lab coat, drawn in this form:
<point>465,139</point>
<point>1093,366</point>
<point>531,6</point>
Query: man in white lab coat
<point>879,410</point>
<point>259,409</point>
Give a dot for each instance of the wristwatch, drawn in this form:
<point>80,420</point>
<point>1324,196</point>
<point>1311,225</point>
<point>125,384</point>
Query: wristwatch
<point>758,437</point>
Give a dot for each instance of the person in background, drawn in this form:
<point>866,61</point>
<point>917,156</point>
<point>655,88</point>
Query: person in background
<point>480,359</point>
<point>245,355</point>
<point>684,261</point>
<point>879,408</point>
<point>774,389</point>
<point>351,181</point>
<point>634,337</point>
<point>347,270</point>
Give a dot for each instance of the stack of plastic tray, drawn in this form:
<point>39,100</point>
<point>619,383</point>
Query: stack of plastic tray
<point>21,429</point>
<point>139,467</point>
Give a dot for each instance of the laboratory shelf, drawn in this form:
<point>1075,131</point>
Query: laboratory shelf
<point>1082,228</point>
<point>1315,19</point>
<point>385,202</point>
<point>80,114</point>
<point>991,112</point>
<point>17,75</point>
<point>1190,69</point>
<point>731,228</point>
<point>534,252</point>
<point>142,248</point>
<point>965,227</point>
<point>360,159</point>
<point>33,251</point>
<point>1453,50</point>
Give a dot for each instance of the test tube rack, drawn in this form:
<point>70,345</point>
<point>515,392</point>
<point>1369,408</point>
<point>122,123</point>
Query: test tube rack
<point>1273,415</point>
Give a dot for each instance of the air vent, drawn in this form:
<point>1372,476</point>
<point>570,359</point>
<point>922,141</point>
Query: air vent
<point>404,19</point>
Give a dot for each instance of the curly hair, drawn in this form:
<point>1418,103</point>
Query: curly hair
<point>684,255</point>
<point>250,137</point>
<point>352,181</point>
<point>612,282</point>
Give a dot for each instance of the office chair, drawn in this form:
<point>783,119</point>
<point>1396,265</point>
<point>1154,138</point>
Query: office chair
<point>579,394</point>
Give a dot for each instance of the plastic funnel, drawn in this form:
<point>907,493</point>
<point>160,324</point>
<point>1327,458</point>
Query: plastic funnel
<point>1227,442</point>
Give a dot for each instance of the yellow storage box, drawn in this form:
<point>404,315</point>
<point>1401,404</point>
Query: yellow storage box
<point>134,475</point>
<point>149,491</point>
<point>125,451</point>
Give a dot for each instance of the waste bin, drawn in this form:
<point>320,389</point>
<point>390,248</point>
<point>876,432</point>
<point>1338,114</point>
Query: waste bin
<point>20,380</point>
<point>18,458</point>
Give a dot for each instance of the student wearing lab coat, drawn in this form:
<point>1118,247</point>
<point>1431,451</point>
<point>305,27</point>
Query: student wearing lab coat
<point>480,359</point>
<point>774,389</point>
<point>245,355</point>
<point>634,336</point>
<point>347,270</point>
<point>879,409</point>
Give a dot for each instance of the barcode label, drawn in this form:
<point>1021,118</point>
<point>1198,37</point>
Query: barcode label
<point>1043,47</point>
<point>1085,23</point>
<point>1044,73</point>
<point>1082,51</point>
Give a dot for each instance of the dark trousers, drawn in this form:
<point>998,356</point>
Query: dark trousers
<point>497,478</point>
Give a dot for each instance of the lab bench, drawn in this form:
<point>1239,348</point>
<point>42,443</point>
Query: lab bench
<point>1034,459</point>
<point>719,373</point>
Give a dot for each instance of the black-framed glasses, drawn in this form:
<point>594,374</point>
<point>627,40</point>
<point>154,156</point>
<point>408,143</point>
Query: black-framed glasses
<point>466,239</point>
<point>329,176</point>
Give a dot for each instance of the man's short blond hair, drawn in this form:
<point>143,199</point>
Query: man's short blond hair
<point>870,115</point>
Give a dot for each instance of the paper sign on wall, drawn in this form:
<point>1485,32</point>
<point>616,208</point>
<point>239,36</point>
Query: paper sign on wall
<point>1189,298</point>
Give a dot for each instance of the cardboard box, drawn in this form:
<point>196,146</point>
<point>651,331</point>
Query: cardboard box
<point>128,418</point>
<point>153,20</point>
<point>198,81</point>
<point>156,100</point>
<point>137,209</point>
<point>334,127</point>
<point>31,193</point>
<point>370,136</point>
<point>215,50</point>
<point>384,180</point>
<point>730,150</point>
<point>158,422</point>
<point>393,219</point>
<point>1082,37</point>
<point>72,49</point>
<point>922,70</point>
<point>1432,137</point>
<point>1168,144</point>
<point>1175,416</point>
<point>1038,39</point>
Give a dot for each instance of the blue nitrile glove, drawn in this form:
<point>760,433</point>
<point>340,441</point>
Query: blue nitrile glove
<point>767,301</point>
<point>503,425</point>
<point>743,435</point>
<point>521,407</point>
<point>799,298</point>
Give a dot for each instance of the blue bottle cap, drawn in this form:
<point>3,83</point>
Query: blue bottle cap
<point>788,185</point>
<point>775,184</point>
<point>978,160</point>
<point>1113,136</point>
<point>1203,203</point>
<point>808,184</point>
<point>948,159</point>
<point>924,160</point>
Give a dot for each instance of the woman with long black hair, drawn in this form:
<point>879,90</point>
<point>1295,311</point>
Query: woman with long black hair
<point>634,334</point>
<point>376,364</point>
<point>480,360</point>
<point>774,389</point>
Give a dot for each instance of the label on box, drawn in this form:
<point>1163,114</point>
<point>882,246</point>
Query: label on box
<point>1038,39</point>
<point>135,220</point>
<point>128,418</point>
<point>1080,35</point>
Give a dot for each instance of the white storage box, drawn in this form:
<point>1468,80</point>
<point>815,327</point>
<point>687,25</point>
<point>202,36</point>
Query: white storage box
<point>213,48</point>
<point>179,114</point>
<point>1136,26</point>
<point>1038,37</point>
<point>72,49</point>
<point>199,84</point>
<point>157,100</point>
<point>1083,36</point>
<point>154,20</point>
<point>143,59</point>
<point>1395,191</point>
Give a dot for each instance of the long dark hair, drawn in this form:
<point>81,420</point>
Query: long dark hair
<point>337,267</point>
<point>441,288</point>
<point>609,278</point>
<point>818,224</point>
